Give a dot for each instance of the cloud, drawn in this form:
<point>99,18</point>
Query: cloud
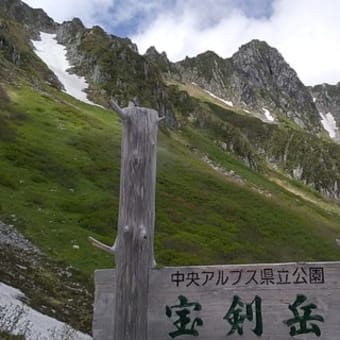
<point>118,16</point>
<point>87,10</point>
<point>306,32</point>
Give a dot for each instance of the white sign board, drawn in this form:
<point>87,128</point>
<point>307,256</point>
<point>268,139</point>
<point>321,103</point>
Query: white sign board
<point>265,301</point>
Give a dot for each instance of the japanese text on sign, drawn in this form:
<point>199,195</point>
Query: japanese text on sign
<point>264,276</point>
<point>302,322</point>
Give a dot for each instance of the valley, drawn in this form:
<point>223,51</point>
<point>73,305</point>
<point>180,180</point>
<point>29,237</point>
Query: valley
<point>242,176</point>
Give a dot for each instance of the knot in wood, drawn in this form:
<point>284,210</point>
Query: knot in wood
<point>142,232</point>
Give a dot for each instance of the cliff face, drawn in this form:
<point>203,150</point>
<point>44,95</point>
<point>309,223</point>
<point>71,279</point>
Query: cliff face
<point>264,73</point>
<point>114,69</point>
<point>111,65</point>
<point>33,20</point>
<point>18,25</point>
<point>256,78</point>
<point>327,100</point>
<point>210,71</point>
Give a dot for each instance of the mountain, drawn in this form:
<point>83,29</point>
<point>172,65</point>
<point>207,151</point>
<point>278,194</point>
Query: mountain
<point>18,24</point>
<point>256,78</point>
<point>327,100</point>
<point>248,157</point>
<point>91,52</point>
<point>32,20</point>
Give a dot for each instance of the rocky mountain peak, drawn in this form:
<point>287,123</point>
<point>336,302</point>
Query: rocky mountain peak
<point>258,79</point>
<point>202,61</point>
<point>159,59</point>
<point>327,100</point>
<point>264,78</point>
<point>35,20</point>
<point>257,45</point>
<point>263,64</point>
<point>74,25</point>
<point>208,70</point>
<point>209,55</point>
<point>151,52</point>
<point>69,30</point>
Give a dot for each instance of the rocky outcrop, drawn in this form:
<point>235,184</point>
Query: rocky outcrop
<point>266,80</point>
<point>256,78</point>
<point>208,70</point>
<point>16,50</point>
<point>160,60</point>
<point>327,100</point>
<point>296,153</point>
<point>114,69</point>
<point>34,20</point>
<point>9,50</point>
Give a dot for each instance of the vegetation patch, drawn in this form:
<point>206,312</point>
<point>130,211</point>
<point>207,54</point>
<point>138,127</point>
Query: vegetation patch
<point>60,177</point>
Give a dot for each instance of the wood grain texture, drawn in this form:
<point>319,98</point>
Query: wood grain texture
<point>214,288</point>
<point>134,243</point>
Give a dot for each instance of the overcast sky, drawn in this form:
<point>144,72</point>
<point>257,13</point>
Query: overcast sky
<point>306,32</point>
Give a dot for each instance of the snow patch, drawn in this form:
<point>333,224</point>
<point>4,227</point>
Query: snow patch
<point>268,115</point>
<point>218,98</point>
<point>40,325</point>
<point>329,124</point>
<point>54,56</point>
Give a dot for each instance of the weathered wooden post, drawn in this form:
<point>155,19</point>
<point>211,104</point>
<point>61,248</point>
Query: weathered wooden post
<point>133,248</point>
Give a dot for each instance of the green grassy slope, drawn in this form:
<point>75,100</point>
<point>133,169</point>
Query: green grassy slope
<point>59,162</point>
<point>59,170</point>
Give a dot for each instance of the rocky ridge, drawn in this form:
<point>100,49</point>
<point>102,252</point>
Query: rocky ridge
<point>33,20</point>
<point>92,51</point>
<point>327,100</point>
<point>18,24</point>
<point>256,78</point>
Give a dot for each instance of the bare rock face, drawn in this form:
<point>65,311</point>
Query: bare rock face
<point>114,69</point>
<point>208,70</point>
<point>35,20</point>
<point>255,77</point>
<point>19,24</point>
<point>263,71</point>
<point>327,100</point>
<point>159,59</point>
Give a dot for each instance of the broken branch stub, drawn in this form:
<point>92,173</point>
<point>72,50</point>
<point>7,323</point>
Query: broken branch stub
<point>117,108</point>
